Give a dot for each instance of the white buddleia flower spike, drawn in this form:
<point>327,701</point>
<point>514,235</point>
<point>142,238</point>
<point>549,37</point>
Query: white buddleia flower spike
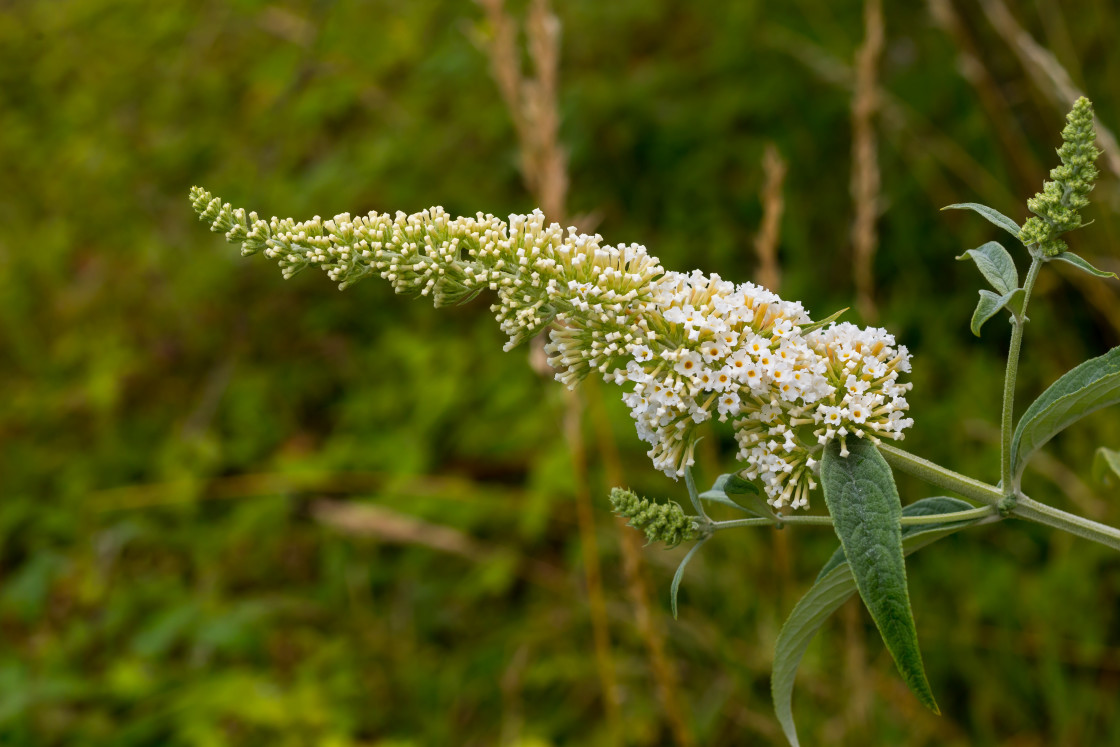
<point>688,347</point>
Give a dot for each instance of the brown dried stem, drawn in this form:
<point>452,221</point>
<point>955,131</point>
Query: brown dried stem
<point>916,137</point>
<point>532,105</point>
<point>531,100</point>
<point>387,525</point>
<point>974,69</point>
<point>865,161</point>
<point>633,568</point>
<point>592,567</point>
<point>769,273</point>
<point>1046,72</point>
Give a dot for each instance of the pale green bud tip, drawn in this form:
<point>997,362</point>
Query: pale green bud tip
<point>660,522</point>
<point>1057,205</point>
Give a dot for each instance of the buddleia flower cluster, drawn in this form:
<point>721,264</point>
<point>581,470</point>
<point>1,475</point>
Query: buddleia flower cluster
<point>660,522</point>
<point>1056,207</point>
<point>689,348</point>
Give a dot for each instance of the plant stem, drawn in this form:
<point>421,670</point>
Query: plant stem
<point>1042,513</point>
<point>715,526</point>
<point>1025,508</point>
<point>975,513</point>
<point>935,474</point>
<point>1010,376</point>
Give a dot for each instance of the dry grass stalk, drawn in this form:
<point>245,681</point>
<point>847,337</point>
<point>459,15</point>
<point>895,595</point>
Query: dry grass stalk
<point>1052,79</point>
<point>865,161</point>
<point>531,100</point>
<point>149,495</point>
<point>769,273</point>
<point>865,187</point>
<point>513,716</point>
<point>532,105</point>
<point>649,624</point>
<point>917,138</point>
<point>386,525</point>
<point>364,520</point>
<point>1046,72</point>
<point>589,542</point>
<point>973,69</point>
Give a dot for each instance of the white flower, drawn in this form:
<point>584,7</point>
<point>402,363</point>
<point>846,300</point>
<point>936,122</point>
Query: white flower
<point>728,405</point>
<point>858,410</point>
<point>712,350</point>
<point>725,379</point>
<point>688,363</point>
<point>704,379</point>
<point>685,344</point>
<point>856,386</point>
<point>755,377</point>
<point>738,363</point>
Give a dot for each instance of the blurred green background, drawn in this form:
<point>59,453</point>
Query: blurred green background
<point>175,420</point>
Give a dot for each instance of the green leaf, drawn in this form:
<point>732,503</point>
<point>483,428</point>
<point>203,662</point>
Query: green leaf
<point>732,484</point>
<point>732,490</point>
<point>829,592</point>
<point>827,320</point>
<point>718,496</point>
<point>990,304</point>
<point>861,496</point>
<point>1081,264</point>
<point>1106,466</point>
<point>924,507</point>
<point>1085,389</point>
<point>996,265</point>
<point>994,216</point>
<point>693,496</point>
<point>680,574</point>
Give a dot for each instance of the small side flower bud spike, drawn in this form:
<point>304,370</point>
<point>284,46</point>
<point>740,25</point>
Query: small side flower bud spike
<point>660,522</point>
<point>1056,208</point>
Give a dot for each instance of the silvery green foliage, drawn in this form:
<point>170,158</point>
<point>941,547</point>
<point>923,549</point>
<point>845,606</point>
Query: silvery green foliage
<point>689,347</point>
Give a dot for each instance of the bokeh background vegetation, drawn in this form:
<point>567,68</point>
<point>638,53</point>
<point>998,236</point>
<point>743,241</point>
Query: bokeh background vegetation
<point>182,433</point>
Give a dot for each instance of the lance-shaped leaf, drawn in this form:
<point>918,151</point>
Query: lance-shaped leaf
<point>990,304</point>
<point>1106,466</point>
<point>996,265</point>
<point>861,496</point>
<point>732,490</point>
<point>994,216</point>
<point>1085,389</point>
<point>1083,265</point>
<point>676,585</point>
<point>693,496</point>
<point>831,590</point>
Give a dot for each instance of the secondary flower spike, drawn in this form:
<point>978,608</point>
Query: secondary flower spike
<point>1057,207</point>
<point>688,347</point>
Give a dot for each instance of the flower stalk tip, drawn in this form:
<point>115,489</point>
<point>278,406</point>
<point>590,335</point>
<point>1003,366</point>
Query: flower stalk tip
<point>1057,207</point>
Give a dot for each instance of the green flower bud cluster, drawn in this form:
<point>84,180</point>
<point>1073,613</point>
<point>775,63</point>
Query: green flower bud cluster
<point>661,522</point>
<point>1056,207</point>
<point>540,274</point>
